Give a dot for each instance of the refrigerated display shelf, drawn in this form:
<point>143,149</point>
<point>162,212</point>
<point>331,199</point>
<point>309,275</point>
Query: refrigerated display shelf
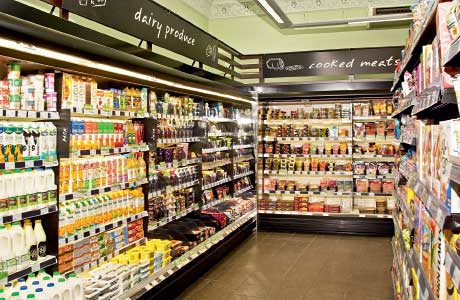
<point>28,214</point>
<point>219,120</point>
<point>373,139</point>
<point>388,176</point>
<point>28,114</point>
<point>100,190</point>
<point>101,228</point>
<point>178,117</point>
<point>373,156</point>
<point>178,215</point>
<point>212,150</point>
<point>238,147</point>
<point>215,164</point>
<point>307,139</point>
<point>171,189</point>
<point>27,164</point>
<point>371,118</point>
<point>41,263</point>
<point>243,158</point>
<point>108,113</point>
<point>243,190</point>
<point>278,192</point>
<point>199,251</point>
<point>324,214</point>
<point>320,173</point>
<point>217,183</point>
<point>310,121</point>
<point>306,155</point>
<point>216,134</point>
<point>176,164</point>
<point>118,150</point>
<point>104,259</point>
<point>178,140</point>
<point>238,176</point>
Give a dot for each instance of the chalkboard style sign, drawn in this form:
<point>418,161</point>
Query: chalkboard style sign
<point>337,62</point>
<point>151,22</point>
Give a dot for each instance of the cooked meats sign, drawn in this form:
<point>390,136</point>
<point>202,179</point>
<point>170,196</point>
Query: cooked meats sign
<point>151,22</point>
<point>336,62</point>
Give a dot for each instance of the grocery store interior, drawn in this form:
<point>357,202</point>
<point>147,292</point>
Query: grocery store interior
<point>229,149</point>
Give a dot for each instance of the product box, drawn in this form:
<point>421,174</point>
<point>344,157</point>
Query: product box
<point>433,182</point>
<point>445,40</point>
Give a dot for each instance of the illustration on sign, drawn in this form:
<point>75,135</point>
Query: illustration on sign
<point>211,51</point>
<point>275,63</point>
<point>94,3</point>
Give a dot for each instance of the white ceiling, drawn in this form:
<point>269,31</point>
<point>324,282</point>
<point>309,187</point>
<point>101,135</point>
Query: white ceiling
<point>217,9</point>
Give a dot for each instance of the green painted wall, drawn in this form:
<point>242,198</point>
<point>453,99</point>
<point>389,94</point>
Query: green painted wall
<point>252,35</point>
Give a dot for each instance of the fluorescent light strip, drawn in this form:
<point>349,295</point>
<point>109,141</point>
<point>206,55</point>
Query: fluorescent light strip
<point>5,43</point>
<point>271,11</point>
<point>378,21</point>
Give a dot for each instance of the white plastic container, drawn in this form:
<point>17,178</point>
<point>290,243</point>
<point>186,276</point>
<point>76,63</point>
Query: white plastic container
<point>52,292</point>
<point>31,241</point>
<point>18,240</point>
<point>77,287</point>
<point>7,256</point>
<point>64,289</point>
<point>40,236</point>
<point>42,275</point>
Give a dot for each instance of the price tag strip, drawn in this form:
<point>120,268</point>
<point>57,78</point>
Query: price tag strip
<point>29,214</point>
<point>42,263</point>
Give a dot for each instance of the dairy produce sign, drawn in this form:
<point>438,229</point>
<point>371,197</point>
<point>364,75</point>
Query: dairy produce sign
<point>336,62</point>
<point>151,22</point>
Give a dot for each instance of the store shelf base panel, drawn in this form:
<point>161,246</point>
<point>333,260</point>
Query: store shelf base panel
<point>329,225</point>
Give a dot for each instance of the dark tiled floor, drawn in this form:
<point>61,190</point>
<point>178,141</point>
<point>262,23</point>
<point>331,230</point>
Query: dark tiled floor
<point>283,266</point>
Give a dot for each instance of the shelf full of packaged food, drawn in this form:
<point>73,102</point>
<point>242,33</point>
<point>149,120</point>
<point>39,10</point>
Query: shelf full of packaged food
<point>373,139</point>
<point>373,157</point>
<point>324,214</point>
<point>452,264</point>
<point>405,108</point>
<point>178,117</point>
<point>212,150</point>
<point>242,191</point>
<point>239,147</point>
<point>238,176</point>
<point>176,164</point>
<point>371,118</point>
<point>30,115</point>
<point>101,228</point>
<point>425,34</point>
<point>27,164</point>
<point>423,279</point>
<point>307,139</point>
<point>436,101</point>
<point>215,164</point>
<point>219,134</point>
<point>217,183</point>
<point>219,120</point>
<point>318,173</point>
<point>83,112</point>
<point>402,262</point>
<point>178,140</point>
<point>41,263</point>
<point>108,257</point>
<point>409,218</point>
<point>112,188</point>
<point>453,57</point>
<point>108,151</point>
<point>28,214</point>
<point>433,204</point>
<point>242,158</point>
<point>387,176</point>
<point>407,169</point>
<point>342,156</point>
<point>171,189</point>
<point>154,225</point>
<point>307,121</point>
<point>154,286</point>
<point>327,193</point>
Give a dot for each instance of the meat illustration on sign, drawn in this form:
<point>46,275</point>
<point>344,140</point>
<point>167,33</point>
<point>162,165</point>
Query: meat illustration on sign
<point>275,64</point>
<point>93,3</point>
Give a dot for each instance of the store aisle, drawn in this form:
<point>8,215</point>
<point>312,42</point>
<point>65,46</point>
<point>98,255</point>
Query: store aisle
<point>283,266</point>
